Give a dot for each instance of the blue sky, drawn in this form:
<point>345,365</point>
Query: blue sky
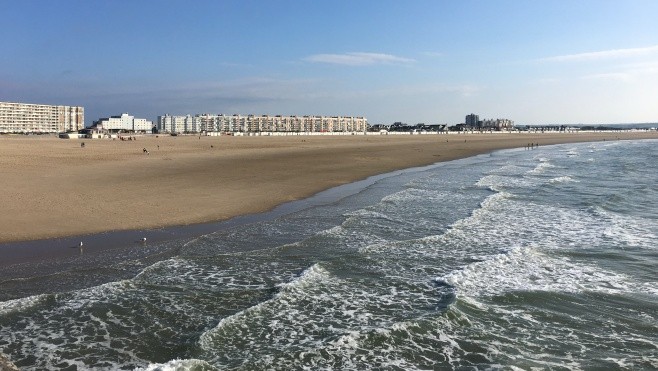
<point>535,62</point>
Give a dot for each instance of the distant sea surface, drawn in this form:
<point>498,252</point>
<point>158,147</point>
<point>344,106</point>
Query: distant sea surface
<point>521,259</point>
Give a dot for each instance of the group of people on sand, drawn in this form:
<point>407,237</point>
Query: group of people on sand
<point>532,146</point>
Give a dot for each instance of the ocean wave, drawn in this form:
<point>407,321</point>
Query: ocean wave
<point>308,277</point>
<point>490,205</point>
<point>179,365</point>
<point>527,269</point>
<point>563,179</point>
<point>542,167</point>
<point>627,230</point>
<point>572,151</point>
<point>23,304</point>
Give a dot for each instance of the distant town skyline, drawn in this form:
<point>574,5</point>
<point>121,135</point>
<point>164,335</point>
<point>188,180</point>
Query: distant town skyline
<point>554,62</point>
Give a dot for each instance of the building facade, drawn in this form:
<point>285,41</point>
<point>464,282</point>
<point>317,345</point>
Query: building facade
<point>497,124</point>
<point>125,122</point>
<point>40,118</point>
<point>472,120</point>
<point>256,124</point>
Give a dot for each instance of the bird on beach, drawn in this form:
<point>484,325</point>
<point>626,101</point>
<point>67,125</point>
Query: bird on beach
<point>143,239</point>
<point>81,244</point>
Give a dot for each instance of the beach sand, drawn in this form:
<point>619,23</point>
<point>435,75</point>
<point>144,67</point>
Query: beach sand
<point>54,187</point>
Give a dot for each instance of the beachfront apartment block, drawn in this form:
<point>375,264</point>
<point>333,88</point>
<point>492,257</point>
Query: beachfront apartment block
<point>259,123</point>
<point>497,124</point>
<point>473,121</point>
<point>125,122</point>
<point>177,124</point>
<point>24,118</point>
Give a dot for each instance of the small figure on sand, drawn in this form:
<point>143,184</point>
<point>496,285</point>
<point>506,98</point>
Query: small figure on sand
<point>82,145</point>
<point>146,151</point>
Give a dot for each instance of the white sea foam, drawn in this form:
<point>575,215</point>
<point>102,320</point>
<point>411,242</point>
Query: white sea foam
<point>526,269</point>
<point>22,304</point>
<point>313,274</point>
<point>493,204</point>
<point>493,182</point>
<point>572,152</point>
<point>542,167</point>
<point>628,230</point>
<point>563,179</point>
<point>179,365</point>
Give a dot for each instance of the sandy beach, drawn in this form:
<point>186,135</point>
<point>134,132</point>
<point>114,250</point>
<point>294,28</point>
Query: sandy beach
<point>54,187</point>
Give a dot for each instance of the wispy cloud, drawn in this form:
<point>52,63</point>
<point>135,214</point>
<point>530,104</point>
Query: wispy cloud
<point>358,59</point>
<point>410,90</point>
<point>634,72</point>
<point>605,54</point>
<point>612,76</point>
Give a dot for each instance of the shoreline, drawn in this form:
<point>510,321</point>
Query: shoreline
<point>32,251</point>
<point>110,256</point>
<point>237,169</point>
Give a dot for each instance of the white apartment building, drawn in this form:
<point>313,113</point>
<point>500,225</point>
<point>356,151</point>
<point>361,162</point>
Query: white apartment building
<point>498,124</point>
<point>125,122</point>
<point>40,118</point>
<point>175,124</point>
<point>255,124</point>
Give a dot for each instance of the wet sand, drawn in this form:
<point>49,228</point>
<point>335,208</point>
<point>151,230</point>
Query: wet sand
<point>54,188</point>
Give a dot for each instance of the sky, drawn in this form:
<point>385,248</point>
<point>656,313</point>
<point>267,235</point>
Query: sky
<point>535,62</point>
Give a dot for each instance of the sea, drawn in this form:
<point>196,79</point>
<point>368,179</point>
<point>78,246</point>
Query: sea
<point>522,259</point>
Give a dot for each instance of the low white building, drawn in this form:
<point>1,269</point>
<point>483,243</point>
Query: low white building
<point>125,122</point>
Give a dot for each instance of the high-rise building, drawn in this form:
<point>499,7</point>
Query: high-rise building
<point>472,120</point>
<point>40,118</point>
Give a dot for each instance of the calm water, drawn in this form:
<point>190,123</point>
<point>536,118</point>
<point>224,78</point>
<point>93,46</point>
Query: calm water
<point>544,258</point>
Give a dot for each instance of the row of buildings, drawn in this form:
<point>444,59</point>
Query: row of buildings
<point>194,124</point>
<point>27,118</point>
<point>259,123</point>
<point>41,119</point>
<point>24,118</point>
<point>473,122</point>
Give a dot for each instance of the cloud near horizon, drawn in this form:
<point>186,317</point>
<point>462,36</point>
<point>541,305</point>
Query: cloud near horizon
<point>605,54</point>
<point>358,59</point>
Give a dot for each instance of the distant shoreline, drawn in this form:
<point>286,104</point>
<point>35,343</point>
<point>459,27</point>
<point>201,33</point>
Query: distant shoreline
<point>53,188</point>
